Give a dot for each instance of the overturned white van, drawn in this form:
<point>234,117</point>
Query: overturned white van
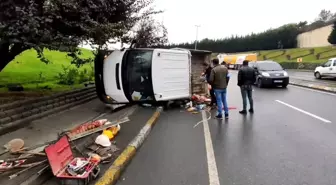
<point>147,75</point>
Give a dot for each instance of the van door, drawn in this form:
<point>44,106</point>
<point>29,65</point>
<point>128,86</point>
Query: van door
<point>136,75</point>
<point>326,69</point>
<point>333,73</point>
<point>171,74</point>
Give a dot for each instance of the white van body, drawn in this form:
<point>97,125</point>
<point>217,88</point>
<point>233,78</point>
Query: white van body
<point>136,75</point>
<point>326,70</point>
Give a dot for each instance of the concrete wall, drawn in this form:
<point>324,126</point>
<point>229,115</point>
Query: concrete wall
<point>315,38</point>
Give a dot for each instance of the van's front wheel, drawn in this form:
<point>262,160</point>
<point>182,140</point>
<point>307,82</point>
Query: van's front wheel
<point>317,75</point>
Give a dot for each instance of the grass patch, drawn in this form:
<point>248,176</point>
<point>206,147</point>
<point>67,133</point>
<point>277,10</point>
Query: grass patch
<point>34,75</point>
<point>280,56</point>
<point>328,54</point>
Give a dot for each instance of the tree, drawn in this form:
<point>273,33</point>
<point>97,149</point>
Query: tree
<point>63,24</point>
<point>283,37</point>
<point>325,16</point>
<point>150,34</point>
<point>332,36</point>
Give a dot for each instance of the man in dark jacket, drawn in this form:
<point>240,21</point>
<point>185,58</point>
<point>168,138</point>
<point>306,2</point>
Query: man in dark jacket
<point>246,78</point>
<point>219,82</point>
<point>207,76</point>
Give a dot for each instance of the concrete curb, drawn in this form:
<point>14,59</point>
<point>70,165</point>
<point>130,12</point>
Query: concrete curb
<point>316,87</point>
<point>113,173</point>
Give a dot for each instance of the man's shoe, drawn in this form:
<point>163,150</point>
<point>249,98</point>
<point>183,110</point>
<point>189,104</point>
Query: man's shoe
<point>251,111</point>
<point>226,116</point>
<point>243,112</point>
<point>219,117</point>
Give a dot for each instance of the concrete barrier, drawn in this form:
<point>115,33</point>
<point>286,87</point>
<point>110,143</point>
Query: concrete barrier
<point>18,114</point>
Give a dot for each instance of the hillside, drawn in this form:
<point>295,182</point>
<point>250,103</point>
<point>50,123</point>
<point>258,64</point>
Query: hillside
<point>309,55</point>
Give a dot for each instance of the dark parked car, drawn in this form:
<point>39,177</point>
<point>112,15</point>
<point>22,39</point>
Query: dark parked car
<point>270,73</point>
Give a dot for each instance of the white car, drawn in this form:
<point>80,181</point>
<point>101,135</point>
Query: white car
<point>326,70</point>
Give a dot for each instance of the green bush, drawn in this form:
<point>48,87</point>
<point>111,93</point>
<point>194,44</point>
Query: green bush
<point>86,75</point>
<point>68,76</point>
<point>300,65</point>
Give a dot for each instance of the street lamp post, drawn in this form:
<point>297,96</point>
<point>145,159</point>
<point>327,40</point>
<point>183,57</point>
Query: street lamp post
<point>197,26</point>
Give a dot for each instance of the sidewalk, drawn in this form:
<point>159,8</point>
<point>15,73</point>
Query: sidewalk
<point>47,129</point>
<point>329,87</point>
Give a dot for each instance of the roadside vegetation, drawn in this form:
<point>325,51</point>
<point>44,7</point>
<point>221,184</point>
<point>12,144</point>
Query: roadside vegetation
<point>311,57</point>
<point>58,75</point>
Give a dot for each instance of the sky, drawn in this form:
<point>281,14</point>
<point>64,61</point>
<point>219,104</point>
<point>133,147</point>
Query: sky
<point>220,18</point>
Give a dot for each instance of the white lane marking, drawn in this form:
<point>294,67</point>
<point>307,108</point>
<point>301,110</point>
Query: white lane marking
<point>203,120</point>
<point>313,90</point>
<point>212,165</point>
<point>303,111</point>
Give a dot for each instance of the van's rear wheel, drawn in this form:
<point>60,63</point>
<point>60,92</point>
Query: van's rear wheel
<point>317,75</point>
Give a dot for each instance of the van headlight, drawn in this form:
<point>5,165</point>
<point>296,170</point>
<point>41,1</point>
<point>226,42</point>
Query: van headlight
<point>265,74</point>
<point>285,73</point>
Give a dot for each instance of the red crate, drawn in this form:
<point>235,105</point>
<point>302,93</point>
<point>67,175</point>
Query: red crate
<point>59,156</point>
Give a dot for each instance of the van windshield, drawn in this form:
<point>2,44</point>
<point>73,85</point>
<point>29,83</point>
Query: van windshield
<point>137,75</point>
<point>269,66</point>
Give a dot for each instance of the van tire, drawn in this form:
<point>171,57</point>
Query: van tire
<point>317,75</point>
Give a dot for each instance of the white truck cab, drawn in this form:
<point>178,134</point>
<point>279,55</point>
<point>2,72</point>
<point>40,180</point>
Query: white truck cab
<point>328,69</point>
<point>147,75</point>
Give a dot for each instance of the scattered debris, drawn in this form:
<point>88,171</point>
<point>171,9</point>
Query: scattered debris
<point>63,164</point>
<point>103,140</point>
<point>13,145</point>
<point>101,128</point>
<point>200,99</point>
<point>26,169</point>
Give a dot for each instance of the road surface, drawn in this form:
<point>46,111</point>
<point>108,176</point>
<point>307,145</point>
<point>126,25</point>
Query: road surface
<point>306,76</point>
<point>290,140</point>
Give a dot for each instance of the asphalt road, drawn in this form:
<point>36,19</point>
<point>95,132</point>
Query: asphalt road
<point>288,141</point>
<point>308,76</point>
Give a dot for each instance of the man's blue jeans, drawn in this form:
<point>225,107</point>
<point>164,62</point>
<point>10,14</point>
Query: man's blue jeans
<point>221,101</point>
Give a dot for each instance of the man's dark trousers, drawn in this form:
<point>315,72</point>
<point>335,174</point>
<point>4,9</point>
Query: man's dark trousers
<point>246,92</point>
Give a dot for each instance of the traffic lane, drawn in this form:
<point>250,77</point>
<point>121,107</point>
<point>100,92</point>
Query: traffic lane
<point>314,102</point>
<point>273,146</point>
<point>304,75</point>
<point>173,153</point>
